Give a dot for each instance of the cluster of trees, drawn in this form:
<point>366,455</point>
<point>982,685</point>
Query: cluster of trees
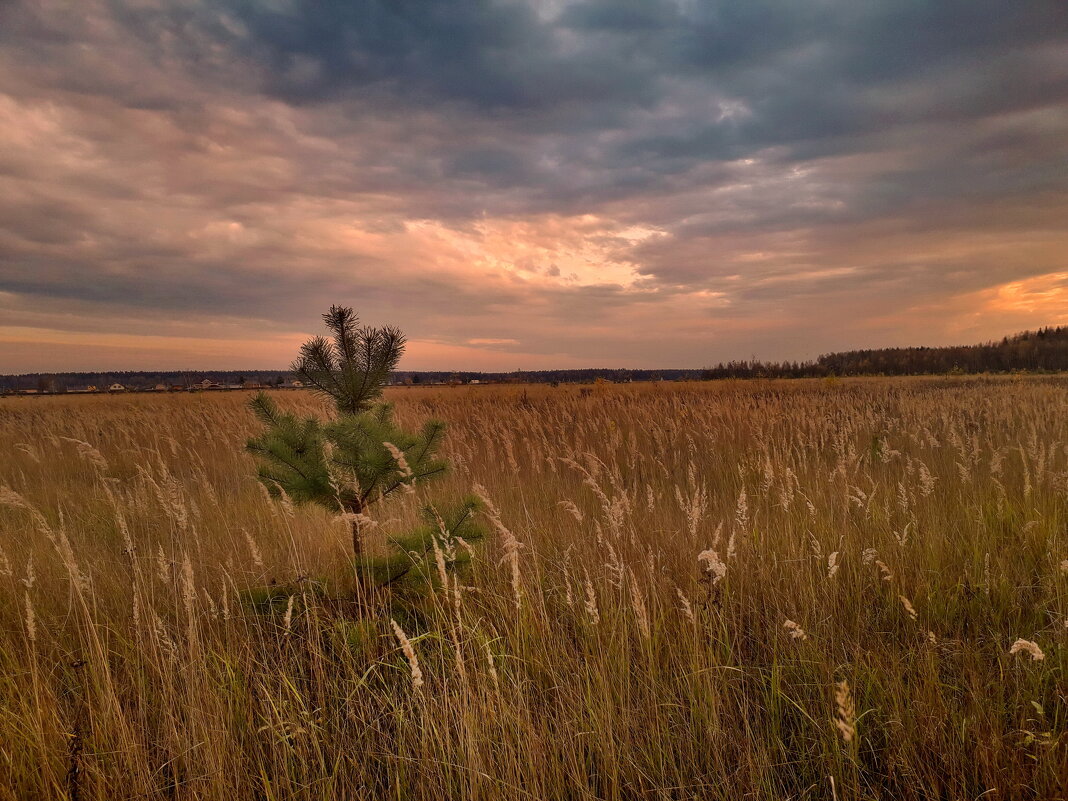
<point>1044,350</point>
<point>62,382</point>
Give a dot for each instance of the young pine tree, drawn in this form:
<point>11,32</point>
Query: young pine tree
<point>350,462</point>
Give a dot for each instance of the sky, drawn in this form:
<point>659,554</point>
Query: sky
<point>523,185</point>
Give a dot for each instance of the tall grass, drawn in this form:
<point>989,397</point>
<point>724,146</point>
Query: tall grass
<point>760,590</point>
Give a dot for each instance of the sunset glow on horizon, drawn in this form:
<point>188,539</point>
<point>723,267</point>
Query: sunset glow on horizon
<point>189,184</point>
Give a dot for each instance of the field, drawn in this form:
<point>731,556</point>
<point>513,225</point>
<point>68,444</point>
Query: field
<point>763,590</point>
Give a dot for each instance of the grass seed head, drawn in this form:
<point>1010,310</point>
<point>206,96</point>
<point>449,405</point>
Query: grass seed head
<point>1022,646</point>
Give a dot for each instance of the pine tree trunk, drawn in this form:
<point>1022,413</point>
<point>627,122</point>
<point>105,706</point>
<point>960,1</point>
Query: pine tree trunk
<point>360,585</point>
<point>357,536</point>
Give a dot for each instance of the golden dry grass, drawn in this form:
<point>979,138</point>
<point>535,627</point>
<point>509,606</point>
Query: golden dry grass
<point>870,551</point>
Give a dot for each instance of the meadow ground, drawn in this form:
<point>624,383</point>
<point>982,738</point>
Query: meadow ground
<point>760,590</point>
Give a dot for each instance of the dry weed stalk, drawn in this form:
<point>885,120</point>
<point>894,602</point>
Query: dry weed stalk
<point>409,654</point>
<point>846,716</point>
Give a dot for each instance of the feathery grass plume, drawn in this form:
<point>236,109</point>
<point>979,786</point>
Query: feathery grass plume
<point>82,581</point>
<point>509,452</point>
<point>846,717</point>
<point>571,509</point>
<point>88,453</point>
<point>407,477</point>
<point>509,543</point>
<point>253,549</point>
<point>287,620</point>
<point>684,604</point>
<point>717,534</point>
<point>591,599</point>
<point>409,654</point>
<point>31,575</point>
<point>741,512</point>
<point>8,497</point>
<point>1064,567</point>
<point>398,456</point>
<point>996,459</point>
<point>614,565</point>
<point>869,556</point>
<point>1022,646</point>
<point>832,565</point>
<point>884,570</point>
<point>858,497</point>
<point>927,480</point>
<point>694,509</point>
<point>491,664</point>
<point>713,565</point>
<point>589,478</point>
<point>902,537</point>
<point>464,545</point>
<point>29,450</point>
<point>904,502</point>
<point>163,564</point>
<point>637,603</point>
<point>788,490</point>
<point>905,602</point>
<point>188,585</point>
<point>965,473</point>
<point>31,620</point>
<point>439,556</point>
<point>565,563</point>
<point>795,631</point>
<point>163,637</point>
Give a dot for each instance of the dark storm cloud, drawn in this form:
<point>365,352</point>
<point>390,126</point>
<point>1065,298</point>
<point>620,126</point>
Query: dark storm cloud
<point>447,161</point>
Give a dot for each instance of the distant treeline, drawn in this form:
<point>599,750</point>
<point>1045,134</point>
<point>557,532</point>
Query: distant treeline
<point>1044,350</point>
<point>132,379</point>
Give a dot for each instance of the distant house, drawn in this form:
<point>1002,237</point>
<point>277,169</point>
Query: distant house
<point>297,384</point>
<point>159,388</point>
<point>116,388</point>
<point>474,381</point>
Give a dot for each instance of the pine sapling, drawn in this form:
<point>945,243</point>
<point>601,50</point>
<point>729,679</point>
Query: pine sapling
<point>359,457</point>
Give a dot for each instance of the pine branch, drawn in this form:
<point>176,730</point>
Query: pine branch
<point>342,320</point>
<point>264,408</point>
<point>318,367</point>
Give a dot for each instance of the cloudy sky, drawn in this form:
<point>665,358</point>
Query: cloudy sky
<point>190,183</point>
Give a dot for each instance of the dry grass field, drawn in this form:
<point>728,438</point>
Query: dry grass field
<point>761,590</point>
